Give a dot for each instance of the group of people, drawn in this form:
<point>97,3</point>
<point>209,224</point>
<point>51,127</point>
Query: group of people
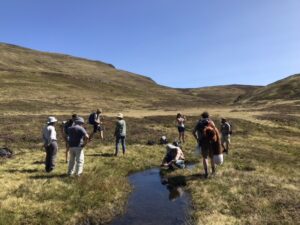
<point>209,140</point>
<point>76,138</point>
<point>207,135</point>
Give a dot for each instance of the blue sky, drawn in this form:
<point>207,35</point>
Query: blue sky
<point>191,43</point>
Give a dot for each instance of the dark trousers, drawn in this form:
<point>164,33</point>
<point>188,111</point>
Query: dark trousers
<point>51,152</point>
<point>122,140</point>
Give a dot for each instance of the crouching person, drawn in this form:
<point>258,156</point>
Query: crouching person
<point>174,157</point>
<point>78,138</point>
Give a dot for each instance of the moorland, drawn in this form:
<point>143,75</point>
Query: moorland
<point>257,184</point>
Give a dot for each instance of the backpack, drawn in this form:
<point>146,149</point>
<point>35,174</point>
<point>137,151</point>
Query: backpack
<point>92,118</point>
<point>230,127</point>
<point>201,126</point>
<point>68,124</point>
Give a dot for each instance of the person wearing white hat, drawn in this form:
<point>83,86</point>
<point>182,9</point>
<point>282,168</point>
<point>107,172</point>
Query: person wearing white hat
<point>120,133</point>
<point>50,143</point>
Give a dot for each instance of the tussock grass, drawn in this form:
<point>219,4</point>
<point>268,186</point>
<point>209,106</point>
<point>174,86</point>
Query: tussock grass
<point>258,183</point>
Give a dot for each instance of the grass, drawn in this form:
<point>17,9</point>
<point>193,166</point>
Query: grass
<point>258,183</point>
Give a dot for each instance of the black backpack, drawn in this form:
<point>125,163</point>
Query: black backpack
<point>68,124</point>
<point>92,118</point>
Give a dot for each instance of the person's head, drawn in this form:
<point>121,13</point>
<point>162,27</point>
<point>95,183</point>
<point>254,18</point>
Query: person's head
<point>51,120</point>
<point>79,121</point>
<point>223,120</point>
<point>74,116</point>
<point>120,116</point>
<point>99,111</point>
<point>178,115</point>
<point>176,143</point>
<point>205,115</point>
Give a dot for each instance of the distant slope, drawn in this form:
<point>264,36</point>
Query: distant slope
<point>39,82</point>
<point>285,89</point>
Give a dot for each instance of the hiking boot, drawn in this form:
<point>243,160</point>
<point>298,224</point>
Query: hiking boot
<point>206,175</point>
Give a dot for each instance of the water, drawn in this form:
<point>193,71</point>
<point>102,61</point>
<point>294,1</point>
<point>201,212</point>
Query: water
<point>154,202</point>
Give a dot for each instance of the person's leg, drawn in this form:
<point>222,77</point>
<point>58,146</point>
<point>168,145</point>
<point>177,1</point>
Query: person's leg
<point>183,137</point>
<point>123,144</point>
<point>67,151</point>
<point>79,161</point>
<point>117,145</point>
<point>54,148</point>
<point>205,166</point>
<point>101,134</point>
<point>47,159</point>
<point>71,161</point>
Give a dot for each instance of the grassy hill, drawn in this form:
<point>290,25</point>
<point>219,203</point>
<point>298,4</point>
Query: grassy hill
<point>34,81</point>
<point>285,89</point>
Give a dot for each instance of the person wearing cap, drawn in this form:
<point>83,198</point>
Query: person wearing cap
<point>174,157</point>
<point>50,143</point>
<point>225,131</point>
<point>78,138</point>
<point>120,133</point>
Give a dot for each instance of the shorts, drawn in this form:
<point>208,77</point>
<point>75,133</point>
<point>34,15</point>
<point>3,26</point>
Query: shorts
<point>97,128</point>
<point>181,129</point>
<point>225,139</point>
<point>206,150</point>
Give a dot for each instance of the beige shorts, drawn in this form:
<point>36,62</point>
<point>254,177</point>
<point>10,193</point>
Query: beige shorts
<point>226,139</point>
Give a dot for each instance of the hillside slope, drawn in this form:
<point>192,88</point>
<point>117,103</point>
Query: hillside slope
<point>34,81</point>
<point>285,89</point>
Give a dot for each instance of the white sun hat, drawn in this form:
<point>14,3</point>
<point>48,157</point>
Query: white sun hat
<point>120,115</point>
<point>51,119</point>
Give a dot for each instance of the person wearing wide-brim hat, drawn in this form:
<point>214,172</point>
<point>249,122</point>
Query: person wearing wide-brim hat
<point>120,133</point>
<point>50,143</point>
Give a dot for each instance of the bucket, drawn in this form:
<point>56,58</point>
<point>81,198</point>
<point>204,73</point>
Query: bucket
<point>218,159</point>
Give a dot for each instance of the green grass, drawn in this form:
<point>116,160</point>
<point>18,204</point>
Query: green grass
<point>258,183</point>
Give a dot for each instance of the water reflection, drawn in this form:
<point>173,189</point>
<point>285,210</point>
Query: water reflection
<point>155,200</point>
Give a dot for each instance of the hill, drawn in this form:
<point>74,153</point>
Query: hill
<point>34,81</point>
<point>285,89</point>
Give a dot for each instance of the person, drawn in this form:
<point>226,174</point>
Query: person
<point>181,119</point>
<point>225,131</point>
<point>50,143</point>
<point>97,123</point>
<point>120,133</point>
<point>208,138</point>
<point>174,157</point>
<point>77,138</point>
<point>65,126</point>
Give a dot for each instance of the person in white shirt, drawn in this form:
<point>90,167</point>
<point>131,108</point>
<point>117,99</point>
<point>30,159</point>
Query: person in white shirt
<point>181,119</point>
<point>50,143</point>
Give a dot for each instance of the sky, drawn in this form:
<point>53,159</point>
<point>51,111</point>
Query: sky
<point>190,43</point>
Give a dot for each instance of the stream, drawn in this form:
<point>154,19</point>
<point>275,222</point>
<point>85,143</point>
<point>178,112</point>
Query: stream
<point>154,201</point>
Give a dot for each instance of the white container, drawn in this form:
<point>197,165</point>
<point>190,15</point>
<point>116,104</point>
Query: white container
<point>218,159</point>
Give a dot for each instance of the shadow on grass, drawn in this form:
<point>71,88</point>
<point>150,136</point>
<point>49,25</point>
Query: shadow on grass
<point>100,155</point>
<point>22,171</point>
<point>38,162</point>
<point>49,176</point>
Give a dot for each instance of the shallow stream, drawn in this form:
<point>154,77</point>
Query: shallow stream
<point>155,202</point>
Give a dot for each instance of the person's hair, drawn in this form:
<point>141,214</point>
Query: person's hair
<point>205,115</point>
<point>74,116</point>
<point>50,123</point>
<point>178,115</point>
<point>223,119</point>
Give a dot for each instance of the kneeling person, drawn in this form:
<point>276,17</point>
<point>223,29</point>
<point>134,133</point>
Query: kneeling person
<point>78,138</point>
<point>174,157</point>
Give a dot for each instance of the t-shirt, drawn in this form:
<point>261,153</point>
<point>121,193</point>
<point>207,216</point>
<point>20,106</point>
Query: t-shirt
<point>120,128</point>
<point>180,122</point>
<point>97,118</point>
<point>76,136</point>
<point>225,129</point>
<point>49,134</point>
